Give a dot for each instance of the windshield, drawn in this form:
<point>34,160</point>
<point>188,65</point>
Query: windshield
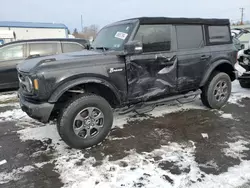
<point>113,37</point>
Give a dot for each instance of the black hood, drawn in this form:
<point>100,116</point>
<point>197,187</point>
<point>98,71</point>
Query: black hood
<point>30,64</point>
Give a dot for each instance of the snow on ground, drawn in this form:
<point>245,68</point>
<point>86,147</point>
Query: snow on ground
<point>140,167</point>
<point>110,174</point>
<point>235,177</point>
<point>227,116</point>
<point>6,96</point>
<point>236,148</point>
<point>15,174</point>
<point>238,93</point>
<point>13,115</point>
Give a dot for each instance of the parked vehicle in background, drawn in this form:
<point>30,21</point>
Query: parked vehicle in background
<point>14,53</point>
<point>244,69</point>
<point>237,44</point>
<point>242,36</point>
<point>135,64</point>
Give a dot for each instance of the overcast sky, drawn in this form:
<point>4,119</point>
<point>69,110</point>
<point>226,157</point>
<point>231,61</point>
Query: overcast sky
<point>102,12</point>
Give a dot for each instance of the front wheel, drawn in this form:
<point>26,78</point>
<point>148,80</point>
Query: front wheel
<point>217,91</point>
<point>86,121</point>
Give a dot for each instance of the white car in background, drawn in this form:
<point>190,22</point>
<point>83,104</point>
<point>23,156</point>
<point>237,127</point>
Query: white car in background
<point>241,35</point>
<point>243,66</point>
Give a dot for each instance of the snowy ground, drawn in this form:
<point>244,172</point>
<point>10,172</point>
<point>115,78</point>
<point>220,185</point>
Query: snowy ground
<point>173,146</point>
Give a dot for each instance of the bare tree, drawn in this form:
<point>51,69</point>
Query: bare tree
<point>88,32</point>
<point>75,32</point>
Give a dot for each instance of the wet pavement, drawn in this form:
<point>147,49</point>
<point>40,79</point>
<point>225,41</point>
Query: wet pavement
<point>186,147</point>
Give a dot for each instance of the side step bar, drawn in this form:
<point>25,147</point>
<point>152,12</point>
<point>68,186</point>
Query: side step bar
<point>163,101</point>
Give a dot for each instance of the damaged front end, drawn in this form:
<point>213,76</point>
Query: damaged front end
<point>243,68</point>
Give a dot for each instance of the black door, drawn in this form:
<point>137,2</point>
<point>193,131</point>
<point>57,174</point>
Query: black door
<point>10,56</point>
<point>193,56</point>
<point>152,73</point>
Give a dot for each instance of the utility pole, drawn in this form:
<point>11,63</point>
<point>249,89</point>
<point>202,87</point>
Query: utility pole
<point>242,16</point>
<point>81,24</point>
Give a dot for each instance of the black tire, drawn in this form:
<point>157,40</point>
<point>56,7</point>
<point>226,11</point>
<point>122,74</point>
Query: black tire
<point>68,115</point>
<point>244,84</point>
<point>208,96</point>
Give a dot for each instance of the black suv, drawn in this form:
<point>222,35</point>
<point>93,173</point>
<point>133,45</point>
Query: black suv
<point>133,65</point>
<point>14,53</point>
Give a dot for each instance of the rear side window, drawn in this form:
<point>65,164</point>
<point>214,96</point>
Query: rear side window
<point>71,47</point>
<point>154,37</point>
<point>219,34</point>
<point>12,52</point>
<point>189,36</point>
<point>44,49</point>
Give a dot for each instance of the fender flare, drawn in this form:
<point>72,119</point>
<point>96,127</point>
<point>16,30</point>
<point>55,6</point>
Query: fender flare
<point>66,86</point>
<point>212,68</point>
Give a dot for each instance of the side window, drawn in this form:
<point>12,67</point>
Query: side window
<point>219,34</point>
<point>12,52</point>
<point>189,36</point>
<point>154,37</point>
<point>44,49</point>
<point>71,47</point>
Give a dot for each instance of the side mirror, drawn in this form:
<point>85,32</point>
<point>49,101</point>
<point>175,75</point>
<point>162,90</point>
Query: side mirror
<point>133,47</point>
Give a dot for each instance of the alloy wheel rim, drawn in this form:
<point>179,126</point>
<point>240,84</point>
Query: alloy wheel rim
<point>88,122</point>
<point>221,91</point>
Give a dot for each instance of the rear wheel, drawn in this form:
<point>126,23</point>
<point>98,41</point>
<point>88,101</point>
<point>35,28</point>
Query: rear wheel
<point>217,91</point>
<point>244,84</point>
<point>86,121</point>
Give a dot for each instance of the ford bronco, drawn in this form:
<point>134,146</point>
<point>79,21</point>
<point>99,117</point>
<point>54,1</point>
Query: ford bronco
<point>132,64</point>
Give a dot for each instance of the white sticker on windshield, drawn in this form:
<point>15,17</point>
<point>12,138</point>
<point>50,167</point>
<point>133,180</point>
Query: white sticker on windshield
<point>121,35</point>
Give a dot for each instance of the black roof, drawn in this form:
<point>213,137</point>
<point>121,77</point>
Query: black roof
<point>79,40</point>
<point>166,20</point>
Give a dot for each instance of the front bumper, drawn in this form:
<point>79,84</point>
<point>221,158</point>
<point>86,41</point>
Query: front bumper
<point>245,76</point>
<point>38,111</point>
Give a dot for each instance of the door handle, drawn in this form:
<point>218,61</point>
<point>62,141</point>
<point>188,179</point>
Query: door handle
<point>205,57</point>
<point>164,58</point>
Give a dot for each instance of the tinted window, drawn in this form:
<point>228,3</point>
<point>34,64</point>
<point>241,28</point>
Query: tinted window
<point>12,52</point>
<point>154,37</point>
<point>219,34</point>
<point>44,48</point>
<point>189,36</point>
<point>71,47</point>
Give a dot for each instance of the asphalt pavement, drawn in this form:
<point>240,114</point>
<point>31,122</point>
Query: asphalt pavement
<point>172,146</point>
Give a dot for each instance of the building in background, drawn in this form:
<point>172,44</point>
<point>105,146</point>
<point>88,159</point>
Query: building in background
<point>31,30</point>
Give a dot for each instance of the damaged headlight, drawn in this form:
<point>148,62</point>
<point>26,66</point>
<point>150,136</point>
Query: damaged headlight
<point>29,85</point>
<point>26,83</point>
<point>245,61</point>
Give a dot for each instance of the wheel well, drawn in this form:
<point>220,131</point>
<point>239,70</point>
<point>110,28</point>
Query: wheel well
<point>103,91</point>
<point>226,68</point>
<point>95,88</point>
